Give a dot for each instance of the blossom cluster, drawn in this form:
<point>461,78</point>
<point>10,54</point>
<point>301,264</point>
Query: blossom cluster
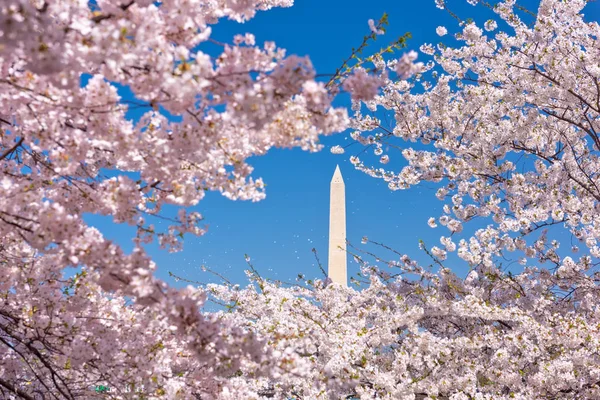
<point>508,130</point>
<point>412,333</point>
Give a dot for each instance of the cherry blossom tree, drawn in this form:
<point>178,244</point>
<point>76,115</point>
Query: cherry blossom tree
<point>414,332</point>
<point>507,126</point>
<point>68,147</point>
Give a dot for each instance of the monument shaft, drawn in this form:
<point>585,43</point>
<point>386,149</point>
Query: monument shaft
<point>337,230</point>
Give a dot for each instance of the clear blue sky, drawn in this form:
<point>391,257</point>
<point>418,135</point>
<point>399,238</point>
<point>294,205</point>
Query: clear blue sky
<point>279,232</point>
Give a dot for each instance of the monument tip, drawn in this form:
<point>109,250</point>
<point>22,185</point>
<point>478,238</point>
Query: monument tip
<point>337,174</point>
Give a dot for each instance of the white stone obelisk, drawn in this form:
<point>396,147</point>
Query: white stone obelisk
<point>337,230</point>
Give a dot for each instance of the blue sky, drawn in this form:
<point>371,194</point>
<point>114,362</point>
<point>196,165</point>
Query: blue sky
<point>279,232</point>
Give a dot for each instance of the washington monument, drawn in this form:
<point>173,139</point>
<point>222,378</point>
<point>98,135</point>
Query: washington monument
<point>337,229</point>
